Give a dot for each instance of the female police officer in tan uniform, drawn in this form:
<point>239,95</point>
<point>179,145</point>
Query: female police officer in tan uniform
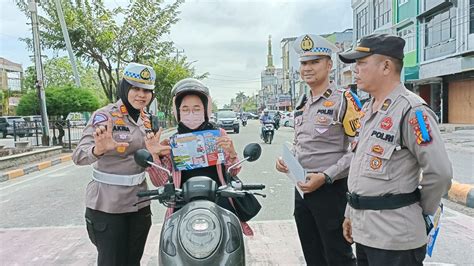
<point>116,227</point>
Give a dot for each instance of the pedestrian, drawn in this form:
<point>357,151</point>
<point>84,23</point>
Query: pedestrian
<point>115,226</point>
<point>192,106</point>
<point>399,138</point>
<point>325,123</point>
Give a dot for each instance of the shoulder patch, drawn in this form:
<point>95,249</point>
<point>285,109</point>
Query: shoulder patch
<point>421,128</point>
<point>351,119</point>
<point>99,118</point>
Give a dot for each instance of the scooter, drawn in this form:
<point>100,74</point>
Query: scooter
<point>244,121</point>
<point>268,130</point>
<point>200,232</point>
<point>277,122</point>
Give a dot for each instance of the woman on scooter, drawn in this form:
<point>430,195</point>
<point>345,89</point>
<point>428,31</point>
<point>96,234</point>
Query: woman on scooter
<point>192,107</point>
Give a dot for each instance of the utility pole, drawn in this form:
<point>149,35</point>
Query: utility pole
<point>68,42</point>
<point>177,54</point>
<point>39,72</point>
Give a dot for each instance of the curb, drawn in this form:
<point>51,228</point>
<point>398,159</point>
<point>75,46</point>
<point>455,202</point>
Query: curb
<point>33,168</point>
<point>462,194</point>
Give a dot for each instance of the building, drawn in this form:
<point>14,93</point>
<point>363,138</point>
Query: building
<point>271,95</point>
<point>11,78</point>
<point>439,50</point>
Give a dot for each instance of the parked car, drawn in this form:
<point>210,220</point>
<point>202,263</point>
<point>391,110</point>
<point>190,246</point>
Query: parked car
<point>76,119</point>
<point>6,126</point>
<point>228,120</point>
<point>33,123</point>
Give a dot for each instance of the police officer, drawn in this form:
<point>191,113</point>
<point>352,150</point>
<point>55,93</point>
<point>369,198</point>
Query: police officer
<point>399,138</point>
<point>325,123</point>
<point>115,226</point>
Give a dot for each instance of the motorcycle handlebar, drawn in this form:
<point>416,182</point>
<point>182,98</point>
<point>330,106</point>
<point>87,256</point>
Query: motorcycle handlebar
<point>148,193</point>
<point>253,187</point>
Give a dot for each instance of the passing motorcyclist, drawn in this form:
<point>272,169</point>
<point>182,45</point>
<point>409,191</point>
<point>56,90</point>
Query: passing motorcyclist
<point>191,108</point>
<point>276,119</point>
<point>265,118</point>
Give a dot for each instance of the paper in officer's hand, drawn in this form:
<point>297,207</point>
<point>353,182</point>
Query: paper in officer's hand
<point>296,172</point>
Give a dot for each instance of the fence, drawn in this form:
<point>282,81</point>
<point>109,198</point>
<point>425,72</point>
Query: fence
<point>61,132</point>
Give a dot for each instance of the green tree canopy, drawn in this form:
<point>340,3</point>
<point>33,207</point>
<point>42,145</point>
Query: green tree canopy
<point>59,101</point>
<point>58,73</point>
<point>108,38</point>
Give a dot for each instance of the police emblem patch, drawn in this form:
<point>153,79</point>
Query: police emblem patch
<point>116,114</point>
<point>145,74</point>
<point>375,163</point>
<point>99,118</point>
<point>386,123</point>
<point>322,119</point>
<point>307,43</point>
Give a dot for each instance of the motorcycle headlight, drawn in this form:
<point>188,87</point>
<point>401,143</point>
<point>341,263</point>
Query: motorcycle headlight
<point>200,233</point>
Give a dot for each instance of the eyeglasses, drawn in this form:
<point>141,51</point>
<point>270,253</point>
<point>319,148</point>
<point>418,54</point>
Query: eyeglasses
<point>194,110</point>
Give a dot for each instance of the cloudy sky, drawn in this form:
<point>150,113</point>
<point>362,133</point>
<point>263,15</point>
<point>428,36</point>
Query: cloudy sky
<point>227,38</point>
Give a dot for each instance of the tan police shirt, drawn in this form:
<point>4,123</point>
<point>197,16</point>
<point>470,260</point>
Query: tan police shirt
<point>320,144</point>
<point>388,159</point>
<point>105,197</point>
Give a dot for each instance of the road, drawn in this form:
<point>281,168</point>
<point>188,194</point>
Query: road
<point>43,217</point>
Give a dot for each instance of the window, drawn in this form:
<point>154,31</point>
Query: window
<point>471,22</point>
<point>382,12</point>
<point>440,33</point>
<point>362,20</point>
<point>401,2</point>
<point>408,34</point>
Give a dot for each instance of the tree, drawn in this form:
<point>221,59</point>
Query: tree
<point>108,38</point>
<point>250,105</point>
<point>168,73</point>
<point>60,101</point>
<point>58,73</point>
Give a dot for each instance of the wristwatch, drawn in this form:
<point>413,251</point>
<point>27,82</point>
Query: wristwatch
<point>327,179</point>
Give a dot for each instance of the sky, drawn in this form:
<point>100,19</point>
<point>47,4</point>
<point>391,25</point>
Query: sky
<point>226,38</point>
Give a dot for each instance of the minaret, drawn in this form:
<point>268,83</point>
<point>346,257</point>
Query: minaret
<point>270,68</point>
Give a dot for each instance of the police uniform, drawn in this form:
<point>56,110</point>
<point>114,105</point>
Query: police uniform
<point>115,226</point>
<point>394,144</point>
<point>324,127</point>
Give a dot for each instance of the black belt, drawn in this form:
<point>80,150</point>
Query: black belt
<point>386,202</point>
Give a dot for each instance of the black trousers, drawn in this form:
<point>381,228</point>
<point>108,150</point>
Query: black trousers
<point>319,217</point>
<point>120,238</point>
<point>374,256</point>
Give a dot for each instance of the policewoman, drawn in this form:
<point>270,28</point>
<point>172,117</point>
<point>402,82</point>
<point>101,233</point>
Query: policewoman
<point>398,139</point>
<point>325,122</point>
<point>115,226</point>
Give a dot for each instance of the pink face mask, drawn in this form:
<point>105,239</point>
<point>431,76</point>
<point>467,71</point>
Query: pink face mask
<point>192,120</point>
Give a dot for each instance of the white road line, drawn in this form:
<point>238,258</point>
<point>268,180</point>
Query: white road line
<point>38,176</point>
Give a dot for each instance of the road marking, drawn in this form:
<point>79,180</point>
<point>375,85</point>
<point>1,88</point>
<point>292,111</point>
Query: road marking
<point>38,176</point>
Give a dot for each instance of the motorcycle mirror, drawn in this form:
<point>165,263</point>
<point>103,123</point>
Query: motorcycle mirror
<point>252,151</point>
<point>142,157</point>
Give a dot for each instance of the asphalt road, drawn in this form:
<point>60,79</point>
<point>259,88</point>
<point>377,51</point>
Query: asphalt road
<point>43,216</point>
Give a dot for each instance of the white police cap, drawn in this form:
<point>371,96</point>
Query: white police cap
<point>311,47</point>
<point>139,75</point>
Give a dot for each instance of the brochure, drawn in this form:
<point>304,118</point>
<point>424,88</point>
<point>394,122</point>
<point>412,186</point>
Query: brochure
<point>196,150</point>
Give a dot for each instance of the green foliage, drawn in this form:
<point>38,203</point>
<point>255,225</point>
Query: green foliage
<point>250,105</point>
<point>109,38</point>
<point>59,101</point>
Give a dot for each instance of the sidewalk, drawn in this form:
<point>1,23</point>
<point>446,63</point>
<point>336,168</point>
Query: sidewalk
<point>274,243</point>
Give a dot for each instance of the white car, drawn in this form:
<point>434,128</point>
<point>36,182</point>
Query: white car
<point>287,119</point>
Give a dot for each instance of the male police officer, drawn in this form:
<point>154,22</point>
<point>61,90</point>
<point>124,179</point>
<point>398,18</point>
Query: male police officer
<point>324,126</point>
<point>398,138</point>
